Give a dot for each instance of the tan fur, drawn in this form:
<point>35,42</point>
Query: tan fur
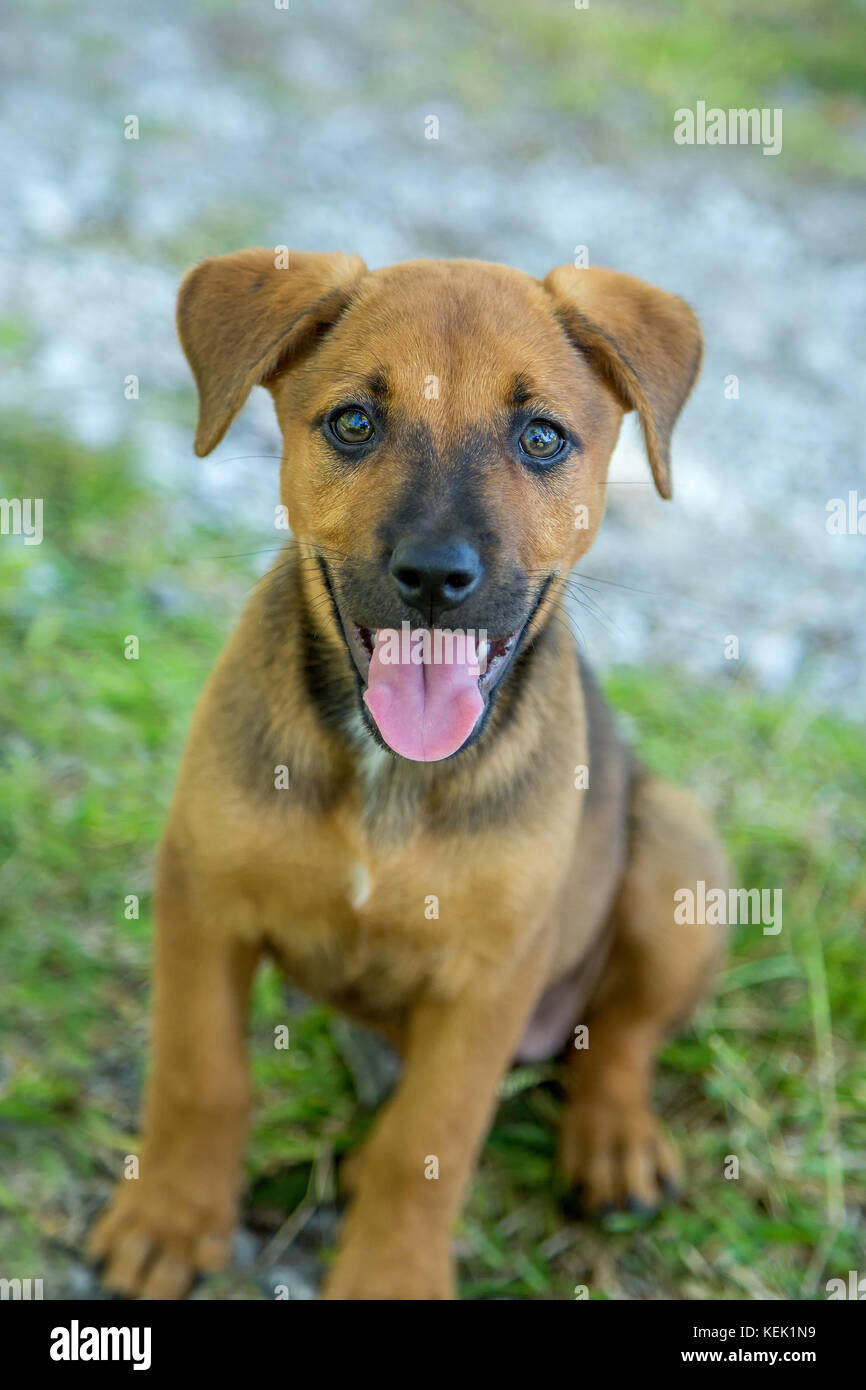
<point>546,894</point>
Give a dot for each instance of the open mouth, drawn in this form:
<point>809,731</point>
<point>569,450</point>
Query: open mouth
<point>427,690</point>
<point>426,695</point>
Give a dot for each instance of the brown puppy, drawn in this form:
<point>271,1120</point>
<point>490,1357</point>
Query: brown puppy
<point>409,839</point>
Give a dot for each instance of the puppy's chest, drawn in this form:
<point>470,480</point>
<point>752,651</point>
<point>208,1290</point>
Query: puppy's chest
<point>360,934</point>
<point>367,928</point>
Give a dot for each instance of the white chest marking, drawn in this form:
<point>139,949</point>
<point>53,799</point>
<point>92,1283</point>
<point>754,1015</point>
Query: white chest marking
<point>360,884</point>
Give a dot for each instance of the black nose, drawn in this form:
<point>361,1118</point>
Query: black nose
<point>433,574</point>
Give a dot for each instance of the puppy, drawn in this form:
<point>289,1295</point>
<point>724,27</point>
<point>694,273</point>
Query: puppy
<point>454,849</point>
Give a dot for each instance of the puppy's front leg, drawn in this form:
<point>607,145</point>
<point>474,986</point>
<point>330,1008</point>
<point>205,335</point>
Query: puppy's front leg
<point>417,1164</point>
<point>177,1216</point>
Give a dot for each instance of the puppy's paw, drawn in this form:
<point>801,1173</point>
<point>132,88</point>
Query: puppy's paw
<point>615,1158</point>
<point>391,1271</point>
<point>153,1240</point>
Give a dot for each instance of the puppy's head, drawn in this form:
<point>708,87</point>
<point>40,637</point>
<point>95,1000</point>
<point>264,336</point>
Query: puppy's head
<point>447,427</point>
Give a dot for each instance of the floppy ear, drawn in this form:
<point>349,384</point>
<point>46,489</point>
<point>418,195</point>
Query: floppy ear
<point>240,318</point>
<point>644,342</point>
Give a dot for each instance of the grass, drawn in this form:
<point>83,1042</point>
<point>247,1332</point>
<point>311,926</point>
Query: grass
<point>611,76</point>
<point>772,1073</point>
<point>634,64</point>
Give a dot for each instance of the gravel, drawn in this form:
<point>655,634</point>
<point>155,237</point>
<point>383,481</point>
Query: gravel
<point>265,126</point>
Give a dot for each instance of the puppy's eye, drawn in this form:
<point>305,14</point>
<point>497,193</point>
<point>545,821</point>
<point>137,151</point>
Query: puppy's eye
<point>352,425</point>
<point>541,440</point>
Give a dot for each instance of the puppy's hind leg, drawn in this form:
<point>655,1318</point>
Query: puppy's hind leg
<point>612,1150</point>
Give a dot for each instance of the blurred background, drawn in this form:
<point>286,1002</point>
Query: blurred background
<point>305,126</point>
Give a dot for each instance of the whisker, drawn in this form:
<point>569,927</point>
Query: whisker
<point>244,554</point>
<point>598,613</point>
<point>244,458</point>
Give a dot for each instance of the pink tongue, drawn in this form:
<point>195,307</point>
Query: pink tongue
<point>426,711</point>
